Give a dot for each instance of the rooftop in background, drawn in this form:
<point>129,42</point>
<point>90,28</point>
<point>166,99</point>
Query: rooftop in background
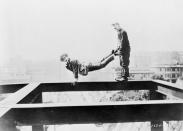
<point>166,65</point>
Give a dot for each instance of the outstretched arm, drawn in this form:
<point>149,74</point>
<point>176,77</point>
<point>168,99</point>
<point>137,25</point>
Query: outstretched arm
<point>101,64</point>
<point>112,53</point>
<point>72,65</point>
<point>75,71</point>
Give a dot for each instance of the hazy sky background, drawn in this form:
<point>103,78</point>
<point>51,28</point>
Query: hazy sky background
<point>44,29</point>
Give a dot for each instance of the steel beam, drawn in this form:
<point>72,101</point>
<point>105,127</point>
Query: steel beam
<point>10,88</point>
<point>113,112</point>
<point>156,125</point>
<point>98,86</point>
<point>10,101</point>
<point>169,89</point>
<point>33,97</point>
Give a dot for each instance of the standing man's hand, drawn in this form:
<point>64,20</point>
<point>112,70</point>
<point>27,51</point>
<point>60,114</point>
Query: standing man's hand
<point>116,52</point>
<point>113,52</point>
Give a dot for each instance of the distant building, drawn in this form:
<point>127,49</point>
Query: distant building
<point>169,72</point>
<point>141,74</point>
<point>137,73</point>
<point>140,59</point>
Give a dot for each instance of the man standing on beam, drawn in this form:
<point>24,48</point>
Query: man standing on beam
<point>124,53</point>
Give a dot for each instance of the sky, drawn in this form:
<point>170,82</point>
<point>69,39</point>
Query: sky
<point>44,29</point>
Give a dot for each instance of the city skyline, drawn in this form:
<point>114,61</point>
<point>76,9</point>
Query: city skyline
<point>53,70</point>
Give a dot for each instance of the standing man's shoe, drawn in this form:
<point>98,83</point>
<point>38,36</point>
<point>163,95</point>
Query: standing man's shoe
<point>122,79</point>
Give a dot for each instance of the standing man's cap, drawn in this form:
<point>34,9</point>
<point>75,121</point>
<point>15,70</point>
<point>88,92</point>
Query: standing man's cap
<point>117,26</point>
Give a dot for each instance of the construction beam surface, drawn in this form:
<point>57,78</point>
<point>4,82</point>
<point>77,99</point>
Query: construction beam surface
<point>113,112</point>
<point>98,86</point>
<point>169,89</point>
<point>13,99</point>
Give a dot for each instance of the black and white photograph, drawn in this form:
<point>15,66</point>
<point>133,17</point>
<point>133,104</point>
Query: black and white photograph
<point>91,65</point>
